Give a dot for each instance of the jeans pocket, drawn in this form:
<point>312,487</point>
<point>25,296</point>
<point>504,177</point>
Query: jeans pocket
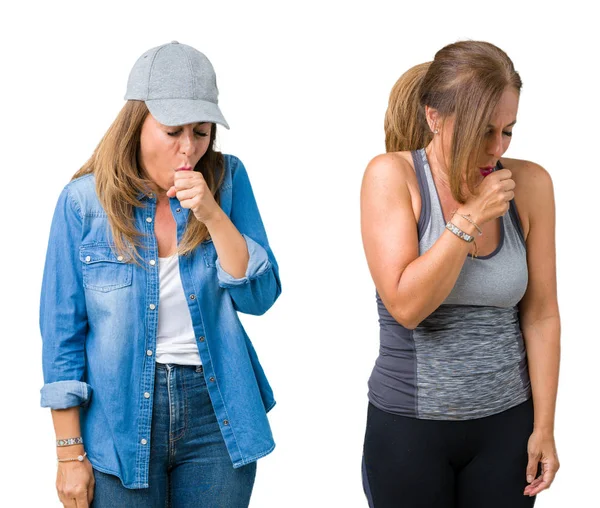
<point>104,270</point>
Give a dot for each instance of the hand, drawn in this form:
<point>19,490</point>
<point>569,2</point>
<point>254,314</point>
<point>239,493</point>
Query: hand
<point>75,483</point>
<point>193,193</point>
<point>493,197</point>
<point>541,450</point>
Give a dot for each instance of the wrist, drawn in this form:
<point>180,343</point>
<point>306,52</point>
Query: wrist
<point>67,452</point>
<point>213,220</point>
<point>473,214</point>
<point>464,224</point>
<point>544,429</point>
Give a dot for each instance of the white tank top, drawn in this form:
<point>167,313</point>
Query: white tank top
<point>175,341</point>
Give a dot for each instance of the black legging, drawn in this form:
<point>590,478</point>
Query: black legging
<point>412,463</point>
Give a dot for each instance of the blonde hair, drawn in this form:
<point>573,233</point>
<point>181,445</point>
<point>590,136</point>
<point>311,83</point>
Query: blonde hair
<point>120,180</point>
<point>466,79</point>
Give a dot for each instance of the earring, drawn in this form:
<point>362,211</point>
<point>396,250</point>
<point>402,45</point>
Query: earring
<point>436,131</point>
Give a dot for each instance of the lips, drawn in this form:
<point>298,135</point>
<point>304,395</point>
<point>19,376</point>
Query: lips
<point>486,170</point>
<point>184,168</point>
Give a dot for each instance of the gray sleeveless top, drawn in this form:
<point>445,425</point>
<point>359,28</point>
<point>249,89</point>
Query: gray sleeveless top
<point>467,359</point>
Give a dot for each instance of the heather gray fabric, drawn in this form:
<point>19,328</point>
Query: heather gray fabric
<point>467,359</point>
<point>178,84</point>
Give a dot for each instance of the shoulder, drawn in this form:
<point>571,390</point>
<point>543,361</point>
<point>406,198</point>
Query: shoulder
<point>528,175</point>
<point>390,168</point>
<point>533,182</point>
<point>534,190</point>
<point>232,163</point>
<point>81,192</point>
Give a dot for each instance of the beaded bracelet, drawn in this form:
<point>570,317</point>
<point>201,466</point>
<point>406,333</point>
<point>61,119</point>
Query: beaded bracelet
<point>70,441</point>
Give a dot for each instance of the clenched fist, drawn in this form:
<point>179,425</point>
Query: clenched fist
<point>193,193</point>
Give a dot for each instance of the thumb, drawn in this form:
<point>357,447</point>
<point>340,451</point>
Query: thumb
<point>532,466</point>
<point>171,192</point>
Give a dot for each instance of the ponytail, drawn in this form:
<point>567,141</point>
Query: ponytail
<point>405,125</point>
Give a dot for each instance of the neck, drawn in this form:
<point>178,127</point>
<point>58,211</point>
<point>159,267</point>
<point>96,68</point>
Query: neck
<point>437,165</point>
<point>440,170</point>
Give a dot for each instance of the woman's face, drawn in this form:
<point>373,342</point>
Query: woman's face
<point>165,149</point>
<point>498,132</point>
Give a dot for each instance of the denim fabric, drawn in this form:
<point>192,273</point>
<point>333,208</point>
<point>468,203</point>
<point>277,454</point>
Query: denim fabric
<point>99,320</point>
<point>189,463</point>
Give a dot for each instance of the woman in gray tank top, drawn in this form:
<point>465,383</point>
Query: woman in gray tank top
<point>460,245</point>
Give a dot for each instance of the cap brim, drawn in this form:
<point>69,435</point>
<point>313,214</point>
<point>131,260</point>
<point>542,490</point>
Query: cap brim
<point>174,112</point>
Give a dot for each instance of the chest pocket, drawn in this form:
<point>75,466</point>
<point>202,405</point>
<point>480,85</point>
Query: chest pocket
<point>103,270</point>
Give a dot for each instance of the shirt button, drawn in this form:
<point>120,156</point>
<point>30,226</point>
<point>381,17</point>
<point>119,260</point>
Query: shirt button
<point>144,441</point>
<point>119,258</point>
<point>152,306</point>
<point>147,395</point>
<point>201,339</point>
<point>225,422</point>
<point>192,297</point>
<point>148,219</point>
<point>88,259</point>
<point>149,352</point>
<point>211,379</point>
<point>152,262</point>
<point>178,210</point>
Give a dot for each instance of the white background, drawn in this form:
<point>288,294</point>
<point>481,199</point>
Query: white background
<point>304,87</point>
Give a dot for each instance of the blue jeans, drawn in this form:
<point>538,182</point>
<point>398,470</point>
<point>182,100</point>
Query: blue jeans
<point>189,463</point>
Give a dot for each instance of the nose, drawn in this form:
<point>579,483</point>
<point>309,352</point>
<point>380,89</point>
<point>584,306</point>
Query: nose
<point>495,146</point>
<point>186,144</point>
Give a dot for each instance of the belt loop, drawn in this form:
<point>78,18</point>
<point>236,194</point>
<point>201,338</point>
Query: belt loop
<point>199,369</point>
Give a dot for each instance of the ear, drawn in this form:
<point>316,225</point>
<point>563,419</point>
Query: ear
<point>433,118</point>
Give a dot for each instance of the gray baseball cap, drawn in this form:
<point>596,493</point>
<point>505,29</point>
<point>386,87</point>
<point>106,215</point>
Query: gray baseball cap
<point>178,85</point>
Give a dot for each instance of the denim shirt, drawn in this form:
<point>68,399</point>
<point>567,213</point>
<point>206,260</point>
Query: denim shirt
<point>99,321</point>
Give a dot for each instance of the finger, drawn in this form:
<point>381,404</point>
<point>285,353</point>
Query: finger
<point>188,194</point>
<point>549,472</point>
<point>190,203</point>
<point>503,174</point>
<point>529,488</point>
<point>188,175</point>
<point>508,184</point>
<point>188,183</point>
<point>171,192</point>
<point>538,488</point>
<point>90,492</point>
<point>69,502</point>
<point>82,500</point>
<point>532,467</point>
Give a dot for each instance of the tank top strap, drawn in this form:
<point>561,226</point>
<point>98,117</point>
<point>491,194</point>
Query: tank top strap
<point>515,221</point>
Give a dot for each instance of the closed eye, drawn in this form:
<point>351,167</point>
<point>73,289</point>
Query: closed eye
<point>197,133</point>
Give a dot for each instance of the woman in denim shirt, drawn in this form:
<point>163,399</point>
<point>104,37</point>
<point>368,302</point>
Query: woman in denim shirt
<point>155,245</point>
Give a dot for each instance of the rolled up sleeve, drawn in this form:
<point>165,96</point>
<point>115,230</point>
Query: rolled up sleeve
<point>63,317</point>
<point>256,292</point>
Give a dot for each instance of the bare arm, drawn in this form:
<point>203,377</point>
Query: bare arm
<point>66,425</point>
<point>413,286</point>
<point>229,244</point>
<point>74,479</point>
<point>540,321</point>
